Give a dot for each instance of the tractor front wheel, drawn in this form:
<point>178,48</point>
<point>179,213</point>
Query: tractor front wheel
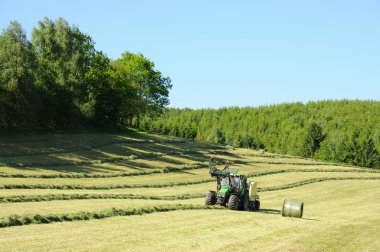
<point>233,202</point>
<point>210,198</point>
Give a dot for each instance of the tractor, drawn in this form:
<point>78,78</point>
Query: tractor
<point>234,190</point>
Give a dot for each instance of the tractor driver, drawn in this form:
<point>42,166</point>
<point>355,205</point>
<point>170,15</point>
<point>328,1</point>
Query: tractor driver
<point>227,165</point>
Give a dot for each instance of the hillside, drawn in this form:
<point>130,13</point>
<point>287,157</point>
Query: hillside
<point>346,131</point>
<point>133,191</point>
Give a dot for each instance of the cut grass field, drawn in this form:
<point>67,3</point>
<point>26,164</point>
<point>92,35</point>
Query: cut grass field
<point>133,191</point>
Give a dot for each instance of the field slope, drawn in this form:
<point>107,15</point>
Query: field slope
<point>137,192</point>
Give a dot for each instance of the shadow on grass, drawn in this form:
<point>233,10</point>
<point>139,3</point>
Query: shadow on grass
<point>309,219</point>
<point>275,211</point>
<point>83,151</point>
<point>269,211</point>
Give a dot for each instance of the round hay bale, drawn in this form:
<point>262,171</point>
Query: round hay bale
<point>292,208</point>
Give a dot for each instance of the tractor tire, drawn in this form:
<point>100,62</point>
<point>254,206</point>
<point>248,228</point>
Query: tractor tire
<point>292,208</point>
<point>257,205</point>
<point>210,198</point>
<point>233,202</point>
<point>252,205</point>
<point>246,203</point>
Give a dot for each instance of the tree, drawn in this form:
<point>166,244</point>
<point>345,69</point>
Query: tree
<point>361,150</point>
<point>280,128</point>
<point>104,99</point>
<point>216,136</point>
<point>59,80</point>
<point>65,55</point>
<point>313,140</point>
<point>150,90</point>
<point>18,96</point>
<point>128,97</point>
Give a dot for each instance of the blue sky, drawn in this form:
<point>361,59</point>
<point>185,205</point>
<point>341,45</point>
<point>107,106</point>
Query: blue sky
<point>233,53</point>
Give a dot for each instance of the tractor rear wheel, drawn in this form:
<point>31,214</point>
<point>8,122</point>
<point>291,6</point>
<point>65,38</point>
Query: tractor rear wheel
<point>246,202</point>
<point>257,205</point>
<point>233,202</point>
<point>210,198</point>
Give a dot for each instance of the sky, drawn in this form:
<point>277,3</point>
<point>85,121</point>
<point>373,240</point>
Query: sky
<point>233,53</point>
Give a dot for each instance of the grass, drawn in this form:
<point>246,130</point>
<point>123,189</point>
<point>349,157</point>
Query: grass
<point>294,177</point>
<point>74,206</point>
<point>92,188</point>
<point>333,229</point>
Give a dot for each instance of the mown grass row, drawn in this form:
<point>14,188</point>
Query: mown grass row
<point>102,187</point>
<point>168,169</point>
<point>311,181</point>
<point>177,168</point>
<point>246,162</point>
<point>148,156</point>
<point>17,220</point>
<point>81,163</point>
<point>51,197</point>
<point>32,153</point>
<point>171,184</point>
<point>264,173</point>
<point>89,147</point>
<point>266,155</point>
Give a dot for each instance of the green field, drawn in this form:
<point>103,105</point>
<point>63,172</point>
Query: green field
<point>137,192</point>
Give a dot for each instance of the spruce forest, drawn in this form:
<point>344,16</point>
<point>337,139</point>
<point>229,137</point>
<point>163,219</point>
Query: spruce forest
<point>346,131</point>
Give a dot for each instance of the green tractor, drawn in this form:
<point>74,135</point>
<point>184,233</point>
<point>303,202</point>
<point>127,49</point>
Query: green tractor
<point>233,190</point>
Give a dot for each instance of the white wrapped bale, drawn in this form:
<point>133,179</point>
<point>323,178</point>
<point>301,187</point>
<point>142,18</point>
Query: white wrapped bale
<point>292,208</point>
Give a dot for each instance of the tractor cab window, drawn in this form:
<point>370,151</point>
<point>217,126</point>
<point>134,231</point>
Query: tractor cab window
<point>235,182</point>
<point>224,182</point>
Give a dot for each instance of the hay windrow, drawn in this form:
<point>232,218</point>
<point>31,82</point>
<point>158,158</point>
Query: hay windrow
<point>172,184</point>
<point>311,181</point>
<point>176,168</point>
<point>51,197</point>
<point>17,220</point>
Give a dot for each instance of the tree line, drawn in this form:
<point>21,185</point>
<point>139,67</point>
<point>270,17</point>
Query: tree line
<point>346,131</point>
<point>58,80</point>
